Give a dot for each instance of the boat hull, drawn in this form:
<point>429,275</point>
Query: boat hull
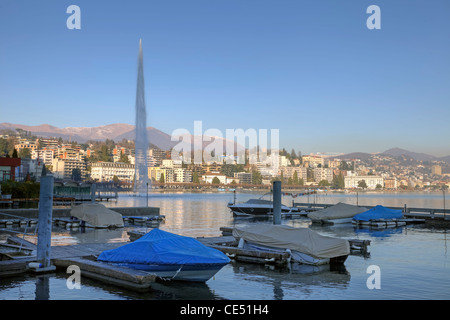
<point>193,273</point>
<point>244,210</point>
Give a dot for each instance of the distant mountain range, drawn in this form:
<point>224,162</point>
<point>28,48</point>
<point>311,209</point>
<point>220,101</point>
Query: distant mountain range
<point>396,152</point>
<point>119,131</point>
<point>116,132</point>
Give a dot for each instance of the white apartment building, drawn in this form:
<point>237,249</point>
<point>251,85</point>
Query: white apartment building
<point>371,181</point>
<point>45,155</point>
<point>105,171</point>
<point>323,174</point>
<point>63,168</point>
<point>288,172</point>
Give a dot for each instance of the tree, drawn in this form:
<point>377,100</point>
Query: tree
<point>295,177</point>
<point>324,183</point>
<point>25,153</point>
<point>378,186</point>
<point>195,178</point>
<point>161,178</point>
<point>215,180</point>
<point>256,177</point>
<point>362,184</point>
<point>14,154</point>
<point>338,182</point>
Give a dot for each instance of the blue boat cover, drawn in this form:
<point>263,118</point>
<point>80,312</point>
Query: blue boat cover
<point>379,212</point>
<point>162,247</point>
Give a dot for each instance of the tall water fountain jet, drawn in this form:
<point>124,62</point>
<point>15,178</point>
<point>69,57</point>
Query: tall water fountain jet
<point>141,143</point>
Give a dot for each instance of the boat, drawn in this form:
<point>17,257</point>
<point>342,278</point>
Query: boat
<point>169,256</point>
<point>337,214</point>
<point>377,213</point>
<point>257,207</point>
<point>96,215</point>
<point>303,244</point>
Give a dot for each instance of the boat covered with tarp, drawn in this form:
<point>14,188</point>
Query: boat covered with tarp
<point>338,213</point>
<point>96,215</point>
<point>378,213</point>
<point>305,245</point>
<point>168,256</point>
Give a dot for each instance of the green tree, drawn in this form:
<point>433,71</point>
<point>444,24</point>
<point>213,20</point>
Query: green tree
<point>338,182</point>
<point>215,180</point>
<point>195,178</point>
<point>295,177</point>
<point>256,177</point>
<point>324,183</point>
<point>15,155</point>
<point>362,184</point>
<point>161,178</point>
<point>25,153</point>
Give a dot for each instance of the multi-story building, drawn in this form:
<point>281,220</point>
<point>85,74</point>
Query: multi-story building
<point>323,174</point>
<point>182,175</point>
<point>371,181</point>
<point>435,169</point>
<point>243,177</point>
<point>313,161</point>
<point>25,144</point>
<point>105,171</point>
<point>69,168</point>
<point>390,183</point>
<point>45,154</point>
<point>288,172</point>
<point>156,156</point>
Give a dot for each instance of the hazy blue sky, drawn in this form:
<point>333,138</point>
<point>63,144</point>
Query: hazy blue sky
<point>309,68</point>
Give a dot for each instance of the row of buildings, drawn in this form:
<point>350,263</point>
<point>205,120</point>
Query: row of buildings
<point>70,161</point>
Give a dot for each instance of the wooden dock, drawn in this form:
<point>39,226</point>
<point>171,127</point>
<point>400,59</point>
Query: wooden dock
<point>83,256</point>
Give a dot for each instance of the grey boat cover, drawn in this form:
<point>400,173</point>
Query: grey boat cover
<point>97,215</point>
<point>338,211</point>
<point>303,240</point>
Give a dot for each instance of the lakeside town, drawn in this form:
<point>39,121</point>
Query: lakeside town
<point>22,156</point>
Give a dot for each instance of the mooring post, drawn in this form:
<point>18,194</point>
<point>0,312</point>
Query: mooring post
<point>277,202</point>
<point>45,223</point>
<point>93,191</point>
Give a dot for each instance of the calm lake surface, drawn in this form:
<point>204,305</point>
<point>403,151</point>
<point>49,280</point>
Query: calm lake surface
<point>413,261</point>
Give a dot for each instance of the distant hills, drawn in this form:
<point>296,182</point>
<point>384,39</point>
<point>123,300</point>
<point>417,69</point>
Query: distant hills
<point>396,152</point>
<point>162,140</point>
<point>116,132</point>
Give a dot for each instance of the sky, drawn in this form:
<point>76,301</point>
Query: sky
<point>312,69</point>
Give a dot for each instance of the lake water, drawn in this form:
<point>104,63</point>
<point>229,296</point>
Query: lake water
<point>413,261</point>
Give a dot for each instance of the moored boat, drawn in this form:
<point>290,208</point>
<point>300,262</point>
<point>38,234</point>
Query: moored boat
<point>337,214</point>
<point>257,207</point>
<point>303,244</point>
<point>168,256</point>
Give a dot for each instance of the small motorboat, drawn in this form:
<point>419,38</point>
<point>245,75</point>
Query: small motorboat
<point>169,256</point>
<point>257,207</point>
<point>339,213</point>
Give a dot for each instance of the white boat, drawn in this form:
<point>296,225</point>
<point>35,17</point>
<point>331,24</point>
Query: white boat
<point>337,214</point>
<point>304,245</point>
